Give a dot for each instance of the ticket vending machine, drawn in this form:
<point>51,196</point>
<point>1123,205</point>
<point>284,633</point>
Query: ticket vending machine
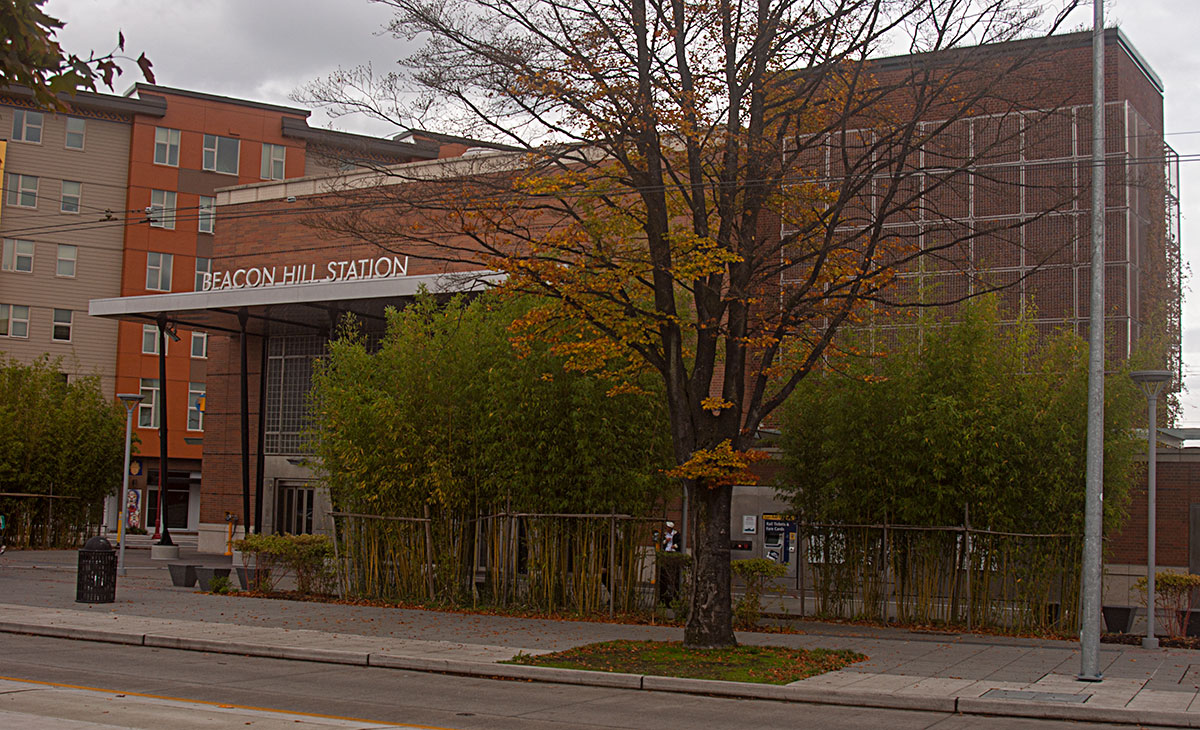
<point>780,541</point>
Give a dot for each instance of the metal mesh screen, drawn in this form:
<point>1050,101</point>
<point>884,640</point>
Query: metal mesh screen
<point>289,378</point>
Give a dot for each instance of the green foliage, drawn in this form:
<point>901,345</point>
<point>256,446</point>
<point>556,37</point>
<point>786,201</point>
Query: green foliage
<point>444,415</point>
<point>220,584</point>
<point>65,439</point>
<point>307,556</point>
<point>754,574</point>
<point>1173,594</point>
<point>32,58</point>
<point>973,415</point>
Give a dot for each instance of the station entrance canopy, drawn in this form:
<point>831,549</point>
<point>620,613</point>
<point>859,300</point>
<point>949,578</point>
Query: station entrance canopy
<point>315,305</point>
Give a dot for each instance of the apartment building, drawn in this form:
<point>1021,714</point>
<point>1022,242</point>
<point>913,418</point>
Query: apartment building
<point>63,222</point>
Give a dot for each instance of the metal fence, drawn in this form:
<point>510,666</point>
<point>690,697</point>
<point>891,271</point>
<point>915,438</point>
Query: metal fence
<point>929,575</point>
<point>46,521</point>
<point>577,563</point>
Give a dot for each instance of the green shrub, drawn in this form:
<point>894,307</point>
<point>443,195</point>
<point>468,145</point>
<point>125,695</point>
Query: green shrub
<point>220,584</point>
<point>307,556</point>
<point>754,573</point>
<point>1173,597</point>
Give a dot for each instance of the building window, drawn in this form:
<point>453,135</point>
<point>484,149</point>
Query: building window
<point>22,190</point>
<point>289,379</point>
<point>195,407</point>
<point>166,146</point>
<point>67,256</point>
<point>71,194</point>
<point>17,256</point>
<point>149,339</point>
<point>206,213</point>
<point>27,126</point>
<point>200,345</point>
<point>162,209</point>
<point>62,325</point>
<point>75,133</point>
<point>203,266</point>
<point>14,320</point>
<point>148,409</point>
<point>221,154</point>
<point>158,271</point>
<point>273,158</point>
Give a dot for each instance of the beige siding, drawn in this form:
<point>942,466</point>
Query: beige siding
<point>102,169</point>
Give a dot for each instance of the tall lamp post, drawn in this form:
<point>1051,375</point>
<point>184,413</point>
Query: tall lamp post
<point>130,401</point>
<point>1151,382</point>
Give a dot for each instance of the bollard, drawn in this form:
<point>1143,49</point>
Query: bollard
<point>96,578</point>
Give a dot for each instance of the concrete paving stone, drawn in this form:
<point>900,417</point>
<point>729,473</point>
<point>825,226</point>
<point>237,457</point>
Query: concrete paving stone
<point>979,688</point>
<point>936,687</point>
<point>840,678</point>
<point>1149,699</point>
<point>886,682</point>
<point>1071,711</point>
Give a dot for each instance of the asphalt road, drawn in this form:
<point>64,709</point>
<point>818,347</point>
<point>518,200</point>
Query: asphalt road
<point>45,683</point>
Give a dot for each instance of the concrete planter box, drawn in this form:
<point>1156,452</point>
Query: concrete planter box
<point>1118,619</point>
<point>204,576</point>
<point>183,574</point>
<point>250,577</point>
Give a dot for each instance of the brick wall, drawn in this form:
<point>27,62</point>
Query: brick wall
<point>1177,488</point>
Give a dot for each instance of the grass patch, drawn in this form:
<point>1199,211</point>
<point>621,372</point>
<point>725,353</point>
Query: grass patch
<point>763,664</point>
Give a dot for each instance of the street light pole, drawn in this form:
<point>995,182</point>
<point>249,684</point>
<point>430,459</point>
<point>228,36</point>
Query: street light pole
<point>1093,503</point>
<point>1151,382</point>
<point>130,401</point>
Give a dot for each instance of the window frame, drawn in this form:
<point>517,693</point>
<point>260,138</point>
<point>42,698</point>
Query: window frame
<point>78,196</point>
<point>169,144</point>
<point>9,320</point>
<point>16,191</point>
<point>150,335</point>
<point>149,388</point>
<point>164,268</point>
<point>82,134</point>
<point>59,259</point>
<point>55,324</point>
<point>201,337</point>
<point>165,217</point>
<point>211,157</point>
<point>10,255</point>
<point>191,409</point>
<point>269,161</point>
<point>25,117</point>
<point>206,213</point>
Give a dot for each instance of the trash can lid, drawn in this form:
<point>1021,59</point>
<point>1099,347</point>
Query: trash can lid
<point>99,544</point>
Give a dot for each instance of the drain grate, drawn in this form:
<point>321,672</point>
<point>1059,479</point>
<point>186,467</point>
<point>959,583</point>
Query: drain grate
<point>1015,694</point>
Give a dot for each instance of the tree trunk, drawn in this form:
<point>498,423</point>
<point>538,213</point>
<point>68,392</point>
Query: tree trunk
<point>710,621</point>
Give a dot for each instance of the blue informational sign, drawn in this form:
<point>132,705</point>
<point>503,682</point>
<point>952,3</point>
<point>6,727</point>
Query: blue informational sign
<point>779,538</point>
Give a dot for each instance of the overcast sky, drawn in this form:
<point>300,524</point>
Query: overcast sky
<point>263,49</point>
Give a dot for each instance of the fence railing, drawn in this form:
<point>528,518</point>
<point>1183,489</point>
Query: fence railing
<point>579,563</point>
<point>957,575</point>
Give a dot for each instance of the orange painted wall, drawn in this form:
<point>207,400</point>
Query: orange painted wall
<point>193,117</point>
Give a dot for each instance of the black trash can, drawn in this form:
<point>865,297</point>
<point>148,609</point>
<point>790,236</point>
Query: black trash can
<point>96,580</point>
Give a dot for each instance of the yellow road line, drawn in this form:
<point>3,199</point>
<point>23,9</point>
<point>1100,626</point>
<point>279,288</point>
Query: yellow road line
<point>221,705</point>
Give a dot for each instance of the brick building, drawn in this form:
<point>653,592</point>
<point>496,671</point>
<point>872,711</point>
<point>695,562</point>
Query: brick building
<point>278,285</point>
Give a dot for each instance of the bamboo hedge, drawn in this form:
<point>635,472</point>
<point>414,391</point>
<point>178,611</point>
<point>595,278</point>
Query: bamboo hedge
<point>574,563</point>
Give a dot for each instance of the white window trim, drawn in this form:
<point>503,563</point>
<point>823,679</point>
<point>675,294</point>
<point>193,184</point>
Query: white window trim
<point>268,161</point>
<point>41,126</point>
<point>82,134</point>
<point>163,215</point>
<point>149,401</point>
<point>200,337</point>
<point>59,258</point>
<point>153,328</point>
<point>215,150</point>
<point>168,146</point>
<point>16,190</point>
<point>62,207</point>
<point>11,318</point>
<point>206,212</point>
<point>55,324</point>
<point>9,262</point>
<point>199,413</point>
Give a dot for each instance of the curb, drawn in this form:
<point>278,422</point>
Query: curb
<point>613,680</point>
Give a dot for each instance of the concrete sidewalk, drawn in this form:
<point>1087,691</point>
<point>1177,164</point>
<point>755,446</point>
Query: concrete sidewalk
<point>906,670</point>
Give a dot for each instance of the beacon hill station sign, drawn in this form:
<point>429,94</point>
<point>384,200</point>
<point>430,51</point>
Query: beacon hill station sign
<point>254,277</point>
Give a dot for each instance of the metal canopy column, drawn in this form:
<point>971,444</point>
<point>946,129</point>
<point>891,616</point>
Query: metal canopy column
<point>260,460</point>
<point>243,316</point>
<point>162,432</point>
